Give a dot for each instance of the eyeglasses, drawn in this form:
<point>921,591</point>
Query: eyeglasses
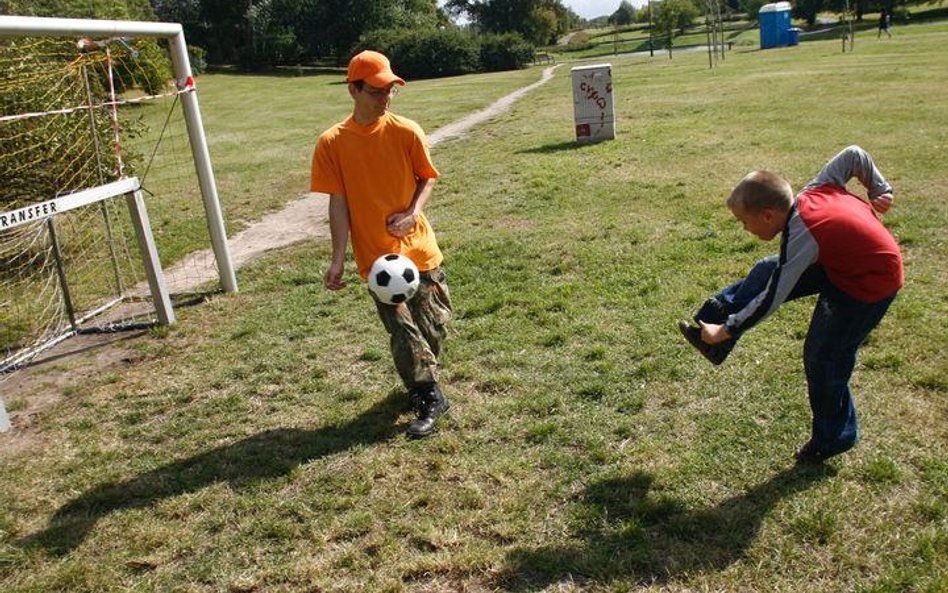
<point>379,93</point>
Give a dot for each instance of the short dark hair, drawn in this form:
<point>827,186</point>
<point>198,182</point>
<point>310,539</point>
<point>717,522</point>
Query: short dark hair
<point>759,190</point>
<point>358,84</point>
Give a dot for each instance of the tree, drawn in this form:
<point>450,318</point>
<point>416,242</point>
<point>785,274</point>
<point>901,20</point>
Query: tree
<point>624,15</point>
<point>258,34</point>
<point>139,10</point>
<point>752,8</point>
<point>674,15</point>
<point>539,21</point>
<point>807,10</point>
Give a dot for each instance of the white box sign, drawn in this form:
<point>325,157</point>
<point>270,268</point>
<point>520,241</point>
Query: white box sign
<point>593,103</point>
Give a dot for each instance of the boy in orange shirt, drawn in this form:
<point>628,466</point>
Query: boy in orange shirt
<point>377,170</point>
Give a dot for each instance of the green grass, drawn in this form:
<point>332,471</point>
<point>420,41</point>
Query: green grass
<point>257,445</point>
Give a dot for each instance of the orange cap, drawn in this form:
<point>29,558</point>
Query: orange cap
<point>373,68</point>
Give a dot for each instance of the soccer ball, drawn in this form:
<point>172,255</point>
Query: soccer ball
<point>393,279</point>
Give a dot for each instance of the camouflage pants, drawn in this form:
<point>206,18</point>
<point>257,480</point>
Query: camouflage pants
<point>417,329</point>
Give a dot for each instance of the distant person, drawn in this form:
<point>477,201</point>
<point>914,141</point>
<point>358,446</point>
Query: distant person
<point>885,20</point>
<point>377,170</point>
<point>832,245</point>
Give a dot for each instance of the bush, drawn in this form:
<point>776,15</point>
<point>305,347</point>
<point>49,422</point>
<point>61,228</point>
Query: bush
<point>198,57</point>
<point>508,51</point>
<point>447,52</point>
<point>425,54</point>
<point>579,41</point>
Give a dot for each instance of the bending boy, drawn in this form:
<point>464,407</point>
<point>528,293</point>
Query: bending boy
<point>832,245</point>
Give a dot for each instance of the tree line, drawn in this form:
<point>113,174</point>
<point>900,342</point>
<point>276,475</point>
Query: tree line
<point>260,34</point>
<point>682,13</point>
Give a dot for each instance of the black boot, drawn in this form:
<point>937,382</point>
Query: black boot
<point>432,405</point>
<point>715,353</point>
<point>712,311</point>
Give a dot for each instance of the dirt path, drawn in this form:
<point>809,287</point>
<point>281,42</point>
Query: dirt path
<point>34,389</point>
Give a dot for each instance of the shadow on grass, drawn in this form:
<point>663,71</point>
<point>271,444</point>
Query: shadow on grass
<point>263,456</point>
<point>557,147</point>
<point>633,533</point>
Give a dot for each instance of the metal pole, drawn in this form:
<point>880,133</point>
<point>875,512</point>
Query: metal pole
<point>651,48</point>
<point>153,271</point>
<point>720,21</point>
<point>61,272</point>
<point>31,25</point>
<point>202,164</point>
<point>707,26</point>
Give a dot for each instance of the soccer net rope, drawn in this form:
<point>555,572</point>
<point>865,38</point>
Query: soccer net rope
<point>77,114</point>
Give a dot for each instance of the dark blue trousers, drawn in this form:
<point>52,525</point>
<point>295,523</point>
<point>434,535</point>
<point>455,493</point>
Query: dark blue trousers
<point>838,327</point>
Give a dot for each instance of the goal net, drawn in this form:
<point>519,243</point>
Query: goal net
<point>85,104</point>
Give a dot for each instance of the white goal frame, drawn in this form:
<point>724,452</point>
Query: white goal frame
<point>20,26</point>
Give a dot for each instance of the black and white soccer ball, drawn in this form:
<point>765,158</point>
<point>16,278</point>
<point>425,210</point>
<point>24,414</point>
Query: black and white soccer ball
<point>393,279</point>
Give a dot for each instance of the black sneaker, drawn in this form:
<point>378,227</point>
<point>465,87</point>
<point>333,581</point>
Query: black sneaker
<point>433,405</point>
<point>713,352</point>
<point>810,453</point>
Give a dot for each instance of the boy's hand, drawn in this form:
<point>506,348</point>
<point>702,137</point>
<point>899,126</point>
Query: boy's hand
<point>882,203</point>
<point>712,333</point>
<point>333,278</point>
<point>401,224</point>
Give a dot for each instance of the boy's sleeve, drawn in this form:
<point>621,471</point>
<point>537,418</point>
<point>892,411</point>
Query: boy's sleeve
<point>851,162</point>
<point>421,156</point>
<point>798,251</point>
<point>324,173</point>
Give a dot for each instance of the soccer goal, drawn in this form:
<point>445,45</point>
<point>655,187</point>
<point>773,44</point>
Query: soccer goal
<point>98,118</point>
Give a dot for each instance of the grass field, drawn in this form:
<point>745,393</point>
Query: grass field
<point>258,444</point>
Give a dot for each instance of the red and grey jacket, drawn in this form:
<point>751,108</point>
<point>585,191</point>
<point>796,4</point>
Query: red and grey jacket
<point>838,230</point>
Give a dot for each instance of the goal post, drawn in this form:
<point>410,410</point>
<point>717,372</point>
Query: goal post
<point>19,26</point>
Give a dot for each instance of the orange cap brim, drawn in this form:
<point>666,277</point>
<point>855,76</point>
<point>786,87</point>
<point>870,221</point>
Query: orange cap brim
<point>383,79</point>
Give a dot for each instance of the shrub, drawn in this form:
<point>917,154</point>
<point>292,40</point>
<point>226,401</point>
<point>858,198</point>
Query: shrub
<point>508,51</point>
<point>579,41</point>
<point>426,54</point>
<point>198,57</point>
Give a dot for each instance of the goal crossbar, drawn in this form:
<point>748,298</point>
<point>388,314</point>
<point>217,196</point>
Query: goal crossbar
<point>23,26</point>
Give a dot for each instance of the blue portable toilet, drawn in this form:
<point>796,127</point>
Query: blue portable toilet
<point>794,36</point>
<point>774,22</point>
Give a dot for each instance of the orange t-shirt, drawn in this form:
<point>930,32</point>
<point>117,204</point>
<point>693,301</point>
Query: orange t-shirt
<point>377,168</point>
